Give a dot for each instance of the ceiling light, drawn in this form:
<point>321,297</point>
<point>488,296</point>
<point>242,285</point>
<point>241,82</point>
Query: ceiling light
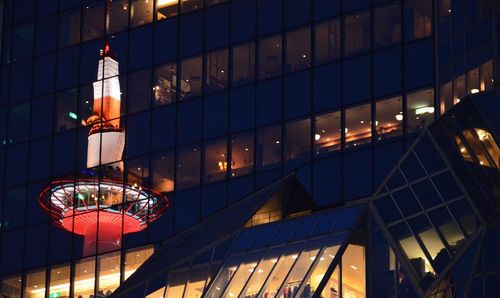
<point>317,137</point>
<point>474,91</point>
<point>399,117</point>
<point>424,110</point>
<point>354,267</point>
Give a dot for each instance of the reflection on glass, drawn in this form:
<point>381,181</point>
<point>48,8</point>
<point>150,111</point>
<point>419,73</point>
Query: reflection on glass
<point>117,15</point>
<point>215,160</point>
<point>296,276</point>
<point>358,128</point>
<point>280,271</point>
<point>66,110</point>
<point>93,21</point>
<point>420,109</point>
<point>141,12</point>
<point>389,118</point>
<point>318,273</point>
<point>166,8</point>
<point>243,63</point>
<point>162,164</point>
<point>35,284</point>
<point>448,228</point>
<point>327,41</point>
<point>242,149</point>
<point>463,149</point>
<point>357,33</point>
<point>387,21</point>
<point>245,270</point>
<point>479,140</point>
<point>59,281</point>
<point>11,286</point>
<point>134,258</point>
<point>216,70</point>
<point>268,147</point>
<point>298,49</point>
<point>270,57</point>
<point>260,274</point>
<point>297,139</point>
<point>490,144</point>
<point>459,91</point>
<point>418,19</point>
<point>164,84</point>
<point>188,166</point>
<point>176,283</point>
<point>69,28</point>
<point>139,91</point>
<point>446,97</point>
<point>108,267</point>
<point>473,84</point>
<point>84,278</point>
<point>196,283</point>
<point>327,133</point>
<point>486,76</point>
<point>353,271</point>
<point>190,83</point>
<point>414,252</point>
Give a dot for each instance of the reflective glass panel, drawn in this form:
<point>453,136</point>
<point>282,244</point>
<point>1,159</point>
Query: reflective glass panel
<point>270,57</point>
<point>166,8</point>
<point>134,258</point>
<point>188,166</point>
<point>260,273</point>
<point>197,280</point>
<point>190,82</point>
<point>327,133</point>
<point>163,171</point>
<point>387,21</point>
<point>141,12</point>
<point>108,267</point>
<point>389,118</point>
<point>59,281</point>
<point>216,71</point>
<point>353,271</point>
<point>268,147</point>
<point>298,49</point>
<point>357,34</point>
<point>420,109</point>
<point>297,139</point>
<point>11,286</point>
<point>242,153</point>
<point>243,63</point>
<point>327,41</point>
<point>84,282</point>
<point>176,284</point>
<point>245,270</point>
<point>358,128</point>
<point>164,84</point>
<point>35,284</point>
<point>117,15</point>
<point>215,160</point>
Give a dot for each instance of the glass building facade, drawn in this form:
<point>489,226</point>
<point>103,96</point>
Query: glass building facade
<point>128,124</point>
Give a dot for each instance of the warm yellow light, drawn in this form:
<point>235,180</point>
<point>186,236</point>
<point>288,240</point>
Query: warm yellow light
<point>166,2</point>
<point>474,91</point>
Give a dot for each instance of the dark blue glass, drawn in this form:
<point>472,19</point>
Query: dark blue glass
<point>357,79</point>
<point>326,223</point>
<point>387,209</point>
<point>213,198</point>
<point>19,122</point>
<point>243,20</point>
<point>165,40</point>
<point>305,228</point>
<point>327,86</point>
<point>163,128</point>
<point>406,201</point>
<point>11,259</point>
<point>326,8</point>
<point>36,255</point>
<point>297,94</point>
<point>215,115</point>
<point>89,57</point>
<point>327,181</point>
<point>191,34</point>
<point>350,5</point>
<point>24,10</point>
<point>119,45</point>
<point>17,165</point>
<point>297,12</point>
<point>269,101</point>
<point>59,244</point>
<point>35,214</point>
<point>188,121</point>
<point>411,168</point>
<point>141,47</point>
<point>14,206</point>
<point>426,194</point>
<point>22,45</point>
<point>266,232</point>
<point>347,219</point>
<point>285,231</point>
<point>245,240</point>
<point>67,68</point>
<point>40,155</point>
<point>21,76</point>
<point>386,157</point>
<point>387,77</point>
<point>216,27</point>
<point>270,16</point>
<point>357,174</point>
<point>45,7</point>
<point>419,64</point>
<point>43,115</point>
<point>242,104</point>
<point>138,134</point>
<point>44,80</point>
<point>64,148</point>
<point>187,209</point>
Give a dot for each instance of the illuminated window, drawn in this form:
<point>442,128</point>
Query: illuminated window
<point>162,165</point>
<point>353,271</point>
<point>473,79</point>
<point>389,118</point>
<point>166,8</point>
<point>117,15</point>
<point>387,21</point>
<point>242,274</point>
<point>318,273</point>
<point>59,281</point>
<point>357,33</point>
<point>268,147</point>
<point>198,278</point>
<point>108,267</point>
<point>141,12</point>
<point>243,63</point>
<point>298,49</point>
<point>242,149</point>
<point>190,83</point>
<point>297,140</point>
<point>270,57</point>
<point>134,258</point>
<point>446,97</point>
<point>157,294</point>
<point>486,73</point>
<point>215,160</point>
<point>176,283</point>
<point>327,41</point>
<point>188,166</point>
<point>431,241</point>
<point>35,284</point>
<point>327,133</point>
<point>280,271</point>
<point>164,84</point>
<point>463,149</point>
<point>11,287</point>
<point>84,281</point>
<point>190,5</point>
<point>483,146</point>
<point>418,19</point>
<point>358,128</point>
<point>459,91</point>
<point>301,267</point>
<point>217,70</point>
<point>260,274</point>
<point>332,287</point>
<point>420,109</point>
<point>443,221</point>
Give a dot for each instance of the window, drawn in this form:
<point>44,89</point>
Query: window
<point>215,160</point>
<point>190,83</point>
<point>217,71</point>
<point>389,118</point>
<point>69,28</point>
<point>358,128</point>
<point>486,71</point>
<point>420,109</point>
<point>117,15</point>
<point>357,33</point>
<point>108,267</point>
<point>242,149</point>
<point>270,57</point>
<point>166,8</point>
<point>139,91</point>
<point>134,258</point>
<point>459,89</point>
<point>162,165</point>
<point>164,84</point>
<point>431,241</point>
<point>190,5</point>
<point>387,21</point>
<point>353,271</point>
<point>66,110</point>
<point>418,19</point>
<point>243,64</point>
<point>298,49</point>
<point>327,133</point>
<point>35,283</point>
<point>11,286</point>
<point>268,147</point>
<point>473,81</point>
<point>188,166</point>
<point>327,41</point>
<point>141,12</point>
<point>83,284</point>
<point>446,97</point>
<point>59,281</point>
<point>297,140</point>
<point>93,21</point>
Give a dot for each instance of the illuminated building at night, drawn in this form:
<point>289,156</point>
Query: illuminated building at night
<point>249,148</point>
